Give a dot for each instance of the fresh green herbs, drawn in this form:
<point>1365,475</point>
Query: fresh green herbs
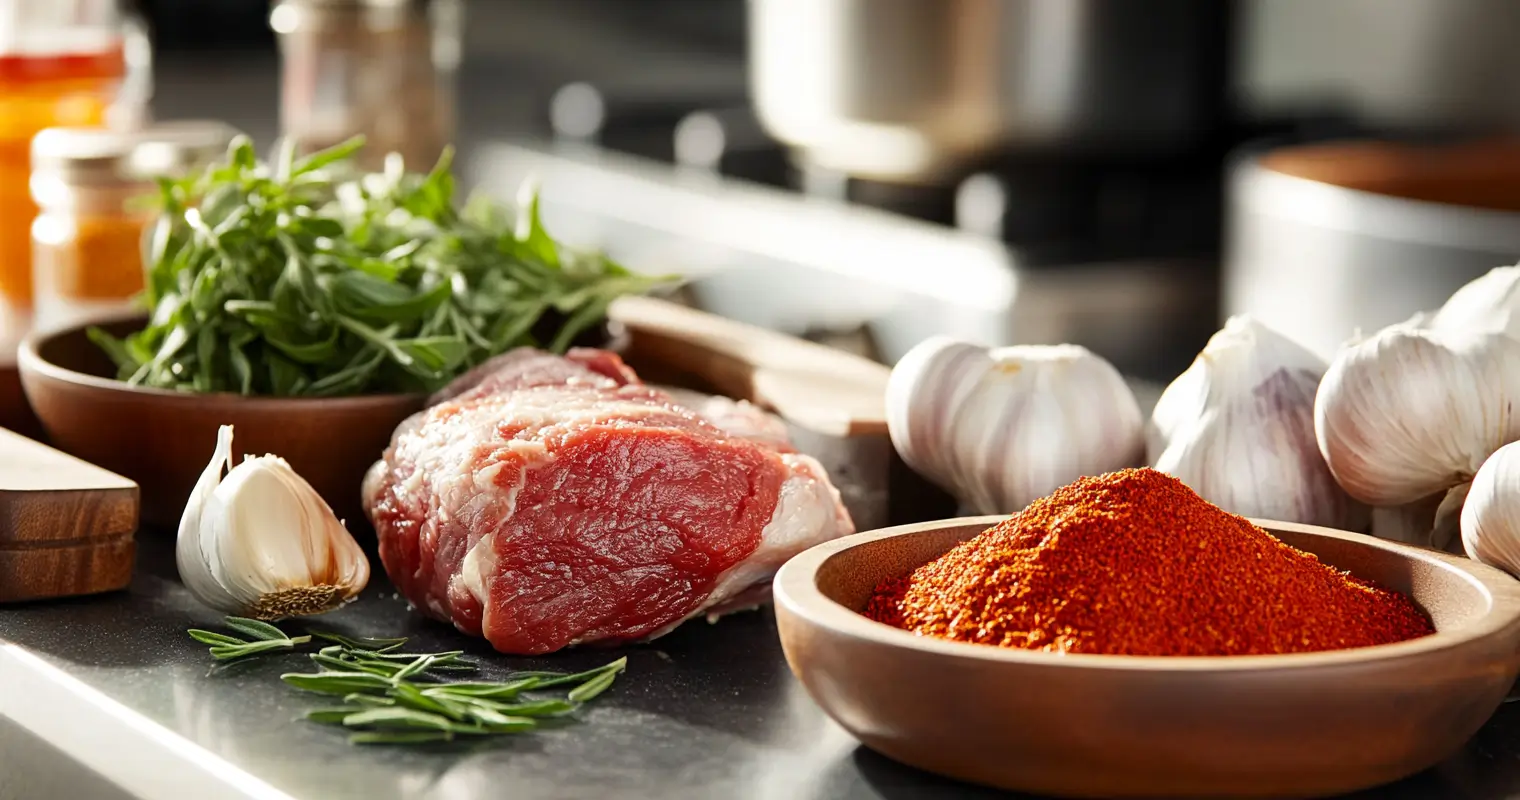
<point>266,638</point>
<point>306,278</point>
<point>391,697</point>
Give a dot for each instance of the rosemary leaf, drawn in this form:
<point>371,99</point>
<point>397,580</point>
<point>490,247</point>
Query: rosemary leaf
<point>257,629</point>
<point>417,667</point>
<point>338,683</point>
<point>360,642</point>
<point>342,665</point>
<point>593,687</point>
<point>397,718</point>
<point>533,708</point>
<point>506,690</point>
<point>369,700</point>
<point>211,638</point>
<point>501,723</point>
<point>457,709</point>
<point>579,677</point>
<point>445,657</point>
<point>410,696</point>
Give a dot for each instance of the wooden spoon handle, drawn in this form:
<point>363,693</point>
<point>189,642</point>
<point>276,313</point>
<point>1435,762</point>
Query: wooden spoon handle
<point>825,390</point>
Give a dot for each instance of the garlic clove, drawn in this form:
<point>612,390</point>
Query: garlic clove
<point>1411,523</point>
<point>192,556</point>
<point>262,543</point>
<point>928,382</point>
<point>1489,303</point>
<point>1491,514</point>
<point>1238,428</point>
<point>1409,413</point>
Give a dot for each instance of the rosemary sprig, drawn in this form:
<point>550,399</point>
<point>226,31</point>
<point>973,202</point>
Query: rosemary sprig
<point>360,643</point>
<point>391,697</point>
<point>266,639</point>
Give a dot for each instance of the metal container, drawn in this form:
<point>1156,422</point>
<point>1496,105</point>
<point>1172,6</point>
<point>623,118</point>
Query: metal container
<point>1329,239</point>
<point>909,89</point>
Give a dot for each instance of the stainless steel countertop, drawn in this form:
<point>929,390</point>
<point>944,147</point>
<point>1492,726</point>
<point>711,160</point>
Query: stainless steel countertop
<point>711,711</point>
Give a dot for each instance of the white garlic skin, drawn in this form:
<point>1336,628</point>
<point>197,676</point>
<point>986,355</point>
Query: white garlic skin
<point>1488,303</point>
<point>260,542</point>
<point>1001,428</point>
<point>1238,428</point>
<point>1409,412</point>
<point>1491,515</point>
<point>928,382</point>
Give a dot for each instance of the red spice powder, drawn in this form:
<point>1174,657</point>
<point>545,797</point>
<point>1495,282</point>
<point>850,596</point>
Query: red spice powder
<point>1135,563</point>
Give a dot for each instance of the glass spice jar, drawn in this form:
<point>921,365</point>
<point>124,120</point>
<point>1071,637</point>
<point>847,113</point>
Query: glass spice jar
<point>381,68</point>
<point>62,62</point>
<point>94,189</point>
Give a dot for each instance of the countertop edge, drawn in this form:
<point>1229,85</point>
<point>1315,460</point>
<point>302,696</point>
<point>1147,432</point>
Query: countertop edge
<point>127,749</point>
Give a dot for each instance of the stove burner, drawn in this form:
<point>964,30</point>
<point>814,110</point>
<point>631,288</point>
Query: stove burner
<point>1055,209</point>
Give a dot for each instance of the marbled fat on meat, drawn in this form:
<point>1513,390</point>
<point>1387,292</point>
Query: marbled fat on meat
<point>545,501</point>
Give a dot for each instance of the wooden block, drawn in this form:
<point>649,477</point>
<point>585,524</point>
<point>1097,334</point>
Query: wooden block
<point>67,527</point>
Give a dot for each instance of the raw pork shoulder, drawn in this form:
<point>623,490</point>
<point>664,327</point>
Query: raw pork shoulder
<point>544,502</point>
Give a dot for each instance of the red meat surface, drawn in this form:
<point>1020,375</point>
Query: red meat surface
<point>545,502</point>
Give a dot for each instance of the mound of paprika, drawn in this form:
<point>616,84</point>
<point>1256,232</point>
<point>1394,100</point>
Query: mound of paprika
<point>1135,563</point>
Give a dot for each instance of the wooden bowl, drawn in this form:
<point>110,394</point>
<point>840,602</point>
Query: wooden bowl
<point>1312,724</point>
<point>163,439</point>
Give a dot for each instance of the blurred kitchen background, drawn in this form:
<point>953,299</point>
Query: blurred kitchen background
<point>1112,173</point>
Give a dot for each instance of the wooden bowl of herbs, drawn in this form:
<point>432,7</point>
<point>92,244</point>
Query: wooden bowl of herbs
<point>959,701</point>
<point>314,308</point>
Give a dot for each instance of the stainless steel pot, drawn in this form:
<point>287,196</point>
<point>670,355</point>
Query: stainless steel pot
<point>1325,240</point>
<point>907,89</point>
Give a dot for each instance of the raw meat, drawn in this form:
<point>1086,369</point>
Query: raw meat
<point>545,502</point>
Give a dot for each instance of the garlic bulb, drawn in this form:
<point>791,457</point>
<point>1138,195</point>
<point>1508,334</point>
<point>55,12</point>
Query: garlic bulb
<point>1238,428</point>
<point>1491,515</point>
<point>261,543</point>
<point>1410,413</point>
<point>1000,428</point>
<point>1488,303</point>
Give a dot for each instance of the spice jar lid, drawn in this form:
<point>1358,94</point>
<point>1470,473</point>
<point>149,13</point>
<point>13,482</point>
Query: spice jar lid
<point>104,155</point>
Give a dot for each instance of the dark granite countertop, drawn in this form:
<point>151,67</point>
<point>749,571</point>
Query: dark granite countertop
<point>708,711</point>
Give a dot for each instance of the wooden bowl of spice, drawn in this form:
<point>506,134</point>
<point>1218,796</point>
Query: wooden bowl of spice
<point>1124,638</point>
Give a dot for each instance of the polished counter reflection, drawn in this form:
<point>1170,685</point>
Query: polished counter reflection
<point>708,711</point>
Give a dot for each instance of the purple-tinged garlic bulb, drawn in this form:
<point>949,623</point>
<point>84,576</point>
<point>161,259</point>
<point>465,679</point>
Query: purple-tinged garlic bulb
<point>1238,428</point>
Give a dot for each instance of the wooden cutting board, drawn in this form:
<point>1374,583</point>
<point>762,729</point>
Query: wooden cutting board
<point>66,527</point>
<point>825,390</point>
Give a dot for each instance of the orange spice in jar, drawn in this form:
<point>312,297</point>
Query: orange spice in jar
<point>95,190</point>
<point>1135,563</point>
<point>48,76</point>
